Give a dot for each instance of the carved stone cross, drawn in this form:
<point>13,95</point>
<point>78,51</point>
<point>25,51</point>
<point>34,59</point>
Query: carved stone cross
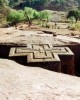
<point>44,53</point>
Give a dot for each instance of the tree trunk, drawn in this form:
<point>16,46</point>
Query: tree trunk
<point>30,23</point>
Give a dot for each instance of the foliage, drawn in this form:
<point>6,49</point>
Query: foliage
<point>77,26</point>
<point>45,17</point>
<point>4,10</point>
<point>75,13</point>
<point>34,3</point>
<point>41,4</point>
<point>13,3</point>
<point>38,3</point>
<point>72,20</point>
<point>4,2</point>
<point>60,1</point>
<point>30,14</point>
<point>29,3</point>
<point>15,16</point>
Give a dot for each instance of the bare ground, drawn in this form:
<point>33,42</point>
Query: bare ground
<point>19,82</point>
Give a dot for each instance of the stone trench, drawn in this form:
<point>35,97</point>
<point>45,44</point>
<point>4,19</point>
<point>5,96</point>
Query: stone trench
<point>29,82</point>
<point>66,59</point>
<point>57,57</point>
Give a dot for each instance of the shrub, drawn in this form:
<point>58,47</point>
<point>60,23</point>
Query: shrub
<point>45,16</point>
<point>75,13</point>
<point>77,26</point>
<point>15,16</point>
<point>30,15</point>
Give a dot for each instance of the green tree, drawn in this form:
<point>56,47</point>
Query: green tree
<point>15,16</point>
<point>28,3</point>
<point>45,16</point>
<point>4,2</point>
<point>30,15</point>
<point>75,13</point>
<point>60,1</point>
<point>13,3</point>
<point>72,21</point>
<point>42,2</point>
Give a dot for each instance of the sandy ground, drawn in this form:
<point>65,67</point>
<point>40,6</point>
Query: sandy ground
<point>21,37</point>
<point>19,82</point>
<point>61,28</point>
<point>12,36</point>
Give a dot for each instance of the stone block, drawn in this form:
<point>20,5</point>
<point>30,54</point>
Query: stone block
<point>60,59</point>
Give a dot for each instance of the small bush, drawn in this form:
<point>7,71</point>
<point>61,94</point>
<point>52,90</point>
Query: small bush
<point>77,26</point>
<point>15,16</point>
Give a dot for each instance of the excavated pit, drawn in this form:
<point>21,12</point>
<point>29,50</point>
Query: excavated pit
<point>68,64</point>
<point>5,50</point>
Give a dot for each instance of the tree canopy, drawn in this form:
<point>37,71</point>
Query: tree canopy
<point>75,13</point>
<point>15,16</point>
<point>64,4</point>
<point>30,14</point>
<point>4,2</point>
<point>33,3</point>
<point>45,15</point>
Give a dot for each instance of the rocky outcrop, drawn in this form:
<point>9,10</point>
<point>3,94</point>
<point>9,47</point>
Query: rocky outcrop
<point>19,82</point>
